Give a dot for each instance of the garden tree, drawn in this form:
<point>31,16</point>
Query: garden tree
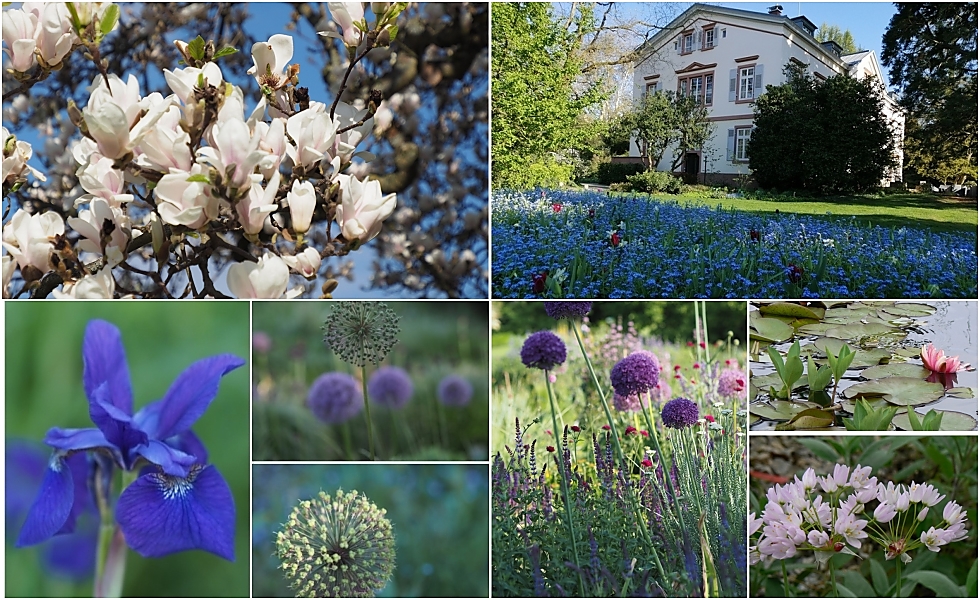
<point>833,33</point>
<point>693,128</point>
<point>653,124</point>
<point>931,51</point>
<point>822,136</point>
<point>538,104</point>
<point>434,244</point>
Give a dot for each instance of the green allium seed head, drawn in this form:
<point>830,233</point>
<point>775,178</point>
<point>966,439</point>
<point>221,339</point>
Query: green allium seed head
<point>361,332</point>
<point>337,547</point>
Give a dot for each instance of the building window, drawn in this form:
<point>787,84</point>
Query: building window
<point>701,87</point>
<point>651,87</point>
<point>688,45</point>
<point>742,135</point>
<point>709,39</point>
<point>746,83</point>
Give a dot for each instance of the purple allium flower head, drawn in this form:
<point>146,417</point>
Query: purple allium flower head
<point>179,501</point>
<point>335,398</point>
<point>731,382</point>
<point>567,310</point>
<point>629,403</point>
<point>455,391</point>
<point>391,387</point>
<point>636,374</point>
<point>679,413</point>
<point>543,350</point>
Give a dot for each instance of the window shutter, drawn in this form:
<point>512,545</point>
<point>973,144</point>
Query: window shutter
<point>660,86</point>
<point>680,44</point>
<point>697,38</point>
<point>758,81</point>
<point>732,84</point>
<point>731,145</point>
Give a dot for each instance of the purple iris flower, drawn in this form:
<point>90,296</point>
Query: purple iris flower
<point>179,501</point>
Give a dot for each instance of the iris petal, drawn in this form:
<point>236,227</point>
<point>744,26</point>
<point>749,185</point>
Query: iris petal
<point>172,461</point>
<point>118,426</point>
<point>160,515</point>
<point>104,361</point>
<point>53,504</point>
<point>191,394</point>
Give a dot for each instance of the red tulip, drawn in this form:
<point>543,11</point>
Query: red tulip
<point>615,239</point>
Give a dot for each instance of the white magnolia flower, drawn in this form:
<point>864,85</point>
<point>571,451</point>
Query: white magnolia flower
<point>116,118</point>
<point>91,287</point>
<point>346,14</point>
<point>90,224</point>
<point>7,271</point>
<point>267,278</point>
<point>166,146</point>
<point>19,27</point>
<point>346,116</point>
<point>234,146</point>
<point>306,263</point>
<point>28,238</point>
<point>258,204</point>
<point>100,180</point>
<point>362,208</point>
<point>16,153</point>
<point>183,81</point>
<point>302,202</point>
<point>55,33</point>
<point>271,59</point>
<point>183,202</point>
<point>272,139</point>
<point>313,133</point>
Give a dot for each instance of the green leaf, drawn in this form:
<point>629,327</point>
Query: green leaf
<point>951,420</point>
<point>198,178</point>
<point>942,460</point>
<point>196,48</point>
<point>74,16</point>
<point>226,51</point>
<point>109,19</point>
<point>811,418</point>
<point>788,309</point>
<point>879,577</point>
<point>393,32</point>
<point>769,330</point>
<point>937,582</point>
<point>971,581</point>
<point>913,418</point>
<point>820,448</point>
<point>817,378</point>
<point>843,590</point>
<point>855,582</point>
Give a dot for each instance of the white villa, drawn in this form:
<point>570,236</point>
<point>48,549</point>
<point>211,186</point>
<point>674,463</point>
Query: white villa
<point>726,57</point>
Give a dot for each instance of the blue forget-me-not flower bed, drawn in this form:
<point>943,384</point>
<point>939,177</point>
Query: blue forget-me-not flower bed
<point>576,244</point>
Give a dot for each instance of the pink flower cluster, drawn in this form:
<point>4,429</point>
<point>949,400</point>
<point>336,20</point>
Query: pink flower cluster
<point>825,514</point>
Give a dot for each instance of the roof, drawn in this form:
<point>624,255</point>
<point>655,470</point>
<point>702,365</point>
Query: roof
<point>671,29</point>
<point>852,59</point>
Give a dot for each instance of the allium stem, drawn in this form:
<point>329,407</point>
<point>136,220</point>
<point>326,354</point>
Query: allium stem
<point>347,445</point>
<point>898,576</point>
<point>602,396</point>
<point>367,411</point>
<point>782,563</point>
<point>564,483</point>
<point>833,577</point>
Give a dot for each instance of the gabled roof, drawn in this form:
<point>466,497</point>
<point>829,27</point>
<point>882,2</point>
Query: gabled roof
<point>689,15</point>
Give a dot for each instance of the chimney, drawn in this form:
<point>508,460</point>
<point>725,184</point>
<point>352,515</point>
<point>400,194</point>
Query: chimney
<point>776,10</point>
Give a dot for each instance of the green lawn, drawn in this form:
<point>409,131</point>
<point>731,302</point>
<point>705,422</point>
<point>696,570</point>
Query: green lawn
<point>940,213</point>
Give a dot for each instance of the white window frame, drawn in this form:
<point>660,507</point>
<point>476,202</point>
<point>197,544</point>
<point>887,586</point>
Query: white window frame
<point>687,48</point>
<point>708,101</point>
<point>742,134</point>
<point>746,83</point>
<point>699,92</point>
<point>709,43</point>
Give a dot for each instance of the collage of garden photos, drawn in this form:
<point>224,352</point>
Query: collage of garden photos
<point>490,299</point>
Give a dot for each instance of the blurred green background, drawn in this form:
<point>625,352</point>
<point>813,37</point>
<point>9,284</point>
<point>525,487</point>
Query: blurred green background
<point>440,516</point>
<point>43,387</point>
<point>436,339</point>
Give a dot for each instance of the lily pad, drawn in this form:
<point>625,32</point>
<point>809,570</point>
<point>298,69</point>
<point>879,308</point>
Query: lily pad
<point>770,330</point>
<point>952,421</point>
<point>876,404</point>
<point>779,410</point>
<point>898,390</point>
<point>816,328</point>
<point>789,309</point>
<point>909,309</point>
<point>856,331</point>
<point>961,392</point>
<point>902,369</point>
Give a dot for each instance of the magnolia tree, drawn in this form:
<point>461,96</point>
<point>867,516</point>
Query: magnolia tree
<point>162,194</point>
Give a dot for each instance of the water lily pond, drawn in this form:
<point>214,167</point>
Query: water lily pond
<point>863,365</point>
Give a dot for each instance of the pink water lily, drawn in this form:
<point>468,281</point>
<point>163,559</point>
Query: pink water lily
<point>936,360</point>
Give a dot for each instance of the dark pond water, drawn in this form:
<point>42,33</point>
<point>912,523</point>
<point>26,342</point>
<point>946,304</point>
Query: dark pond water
<point>952,328</point>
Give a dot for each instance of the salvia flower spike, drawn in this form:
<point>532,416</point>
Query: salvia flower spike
<point>339,546</point>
